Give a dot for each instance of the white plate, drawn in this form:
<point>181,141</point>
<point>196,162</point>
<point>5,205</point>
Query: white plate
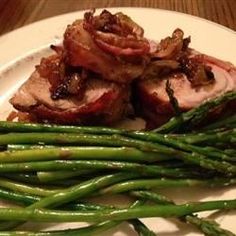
<point>22,49</point>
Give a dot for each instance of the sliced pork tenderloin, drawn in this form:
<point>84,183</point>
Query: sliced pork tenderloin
<point>110,45</point>
<point>102,103</point>
<point>154,100</point>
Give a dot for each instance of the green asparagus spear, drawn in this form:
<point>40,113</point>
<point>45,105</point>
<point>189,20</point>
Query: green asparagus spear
<point>20,187</point>
<point>195,115</point>
<point>75,139</point>
<point>227,137</point>
<point>208,227</point>
<point>83,153</point>
<point>43,215</point>
<point>17,197</point>
<point>148,184</point>
<point>142,170</point>
<point>8,126</point>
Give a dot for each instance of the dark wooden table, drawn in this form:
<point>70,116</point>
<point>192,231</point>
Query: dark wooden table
<point>16,13</point>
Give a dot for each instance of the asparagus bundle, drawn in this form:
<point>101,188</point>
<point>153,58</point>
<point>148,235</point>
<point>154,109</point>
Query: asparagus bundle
<point>52,171</point>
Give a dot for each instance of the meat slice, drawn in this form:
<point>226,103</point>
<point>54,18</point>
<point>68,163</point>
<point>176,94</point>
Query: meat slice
<point>154,100</point>
<point>103,102</point>
<point>81,50</point>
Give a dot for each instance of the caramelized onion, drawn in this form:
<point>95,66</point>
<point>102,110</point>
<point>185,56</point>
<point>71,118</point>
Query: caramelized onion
<point>116,34</point>
<point>170,46</point>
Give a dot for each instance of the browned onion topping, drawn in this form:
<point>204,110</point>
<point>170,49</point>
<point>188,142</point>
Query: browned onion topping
<point>73,84</point>
<point>116,34</point>
<point>176,48</point>
<point>106,22</point>
<point>197,73</point>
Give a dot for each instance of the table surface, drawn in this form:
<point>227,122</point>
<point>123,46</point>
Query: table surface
<point>17,13</point>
